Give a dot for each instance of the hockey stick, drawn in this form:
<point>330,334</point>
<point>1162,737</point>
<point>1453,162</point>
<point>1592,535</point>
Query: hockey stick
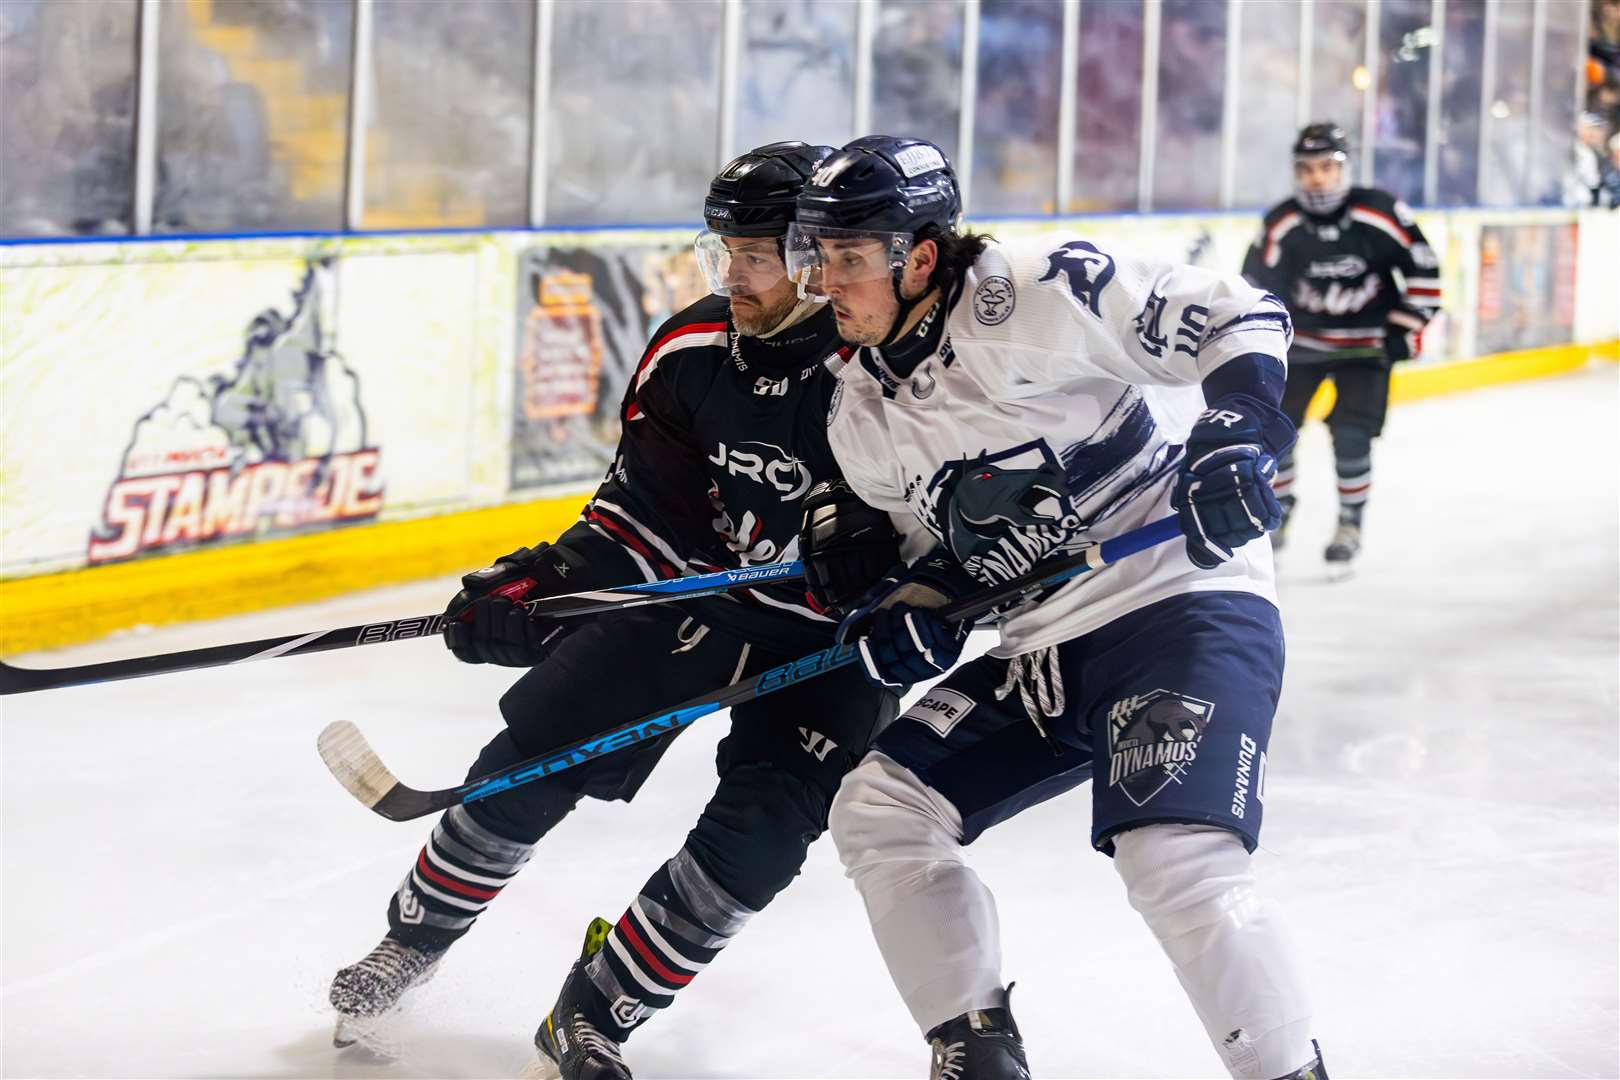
<point>16,680</point>
<point>358,768</point>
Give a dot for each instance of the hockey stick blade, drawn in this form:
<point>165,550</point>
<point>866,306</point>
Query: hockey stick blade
<point>17,680</point>
<point>363,774</point>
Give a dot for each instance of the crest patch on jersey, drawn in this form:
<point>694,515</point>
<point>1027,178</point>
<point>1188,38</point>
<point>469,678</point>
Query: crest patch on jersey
<point>993,300</point>
<point>1153,740</point>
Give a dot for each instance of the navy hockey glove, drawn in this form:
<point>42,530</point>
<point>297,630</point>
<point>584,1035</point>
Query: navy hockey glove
<point>845,546</point>
<point>901,640</point>
<point>485,623</point>
<point>1223,494</point>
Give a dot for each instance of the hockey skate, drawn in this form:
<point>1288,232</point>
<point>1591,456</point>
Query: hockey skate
<point>1342,550</point>
<point>572,1044</point>
<point>979,1045</point>
<point>366,990</point>
<point>1312,1069</point>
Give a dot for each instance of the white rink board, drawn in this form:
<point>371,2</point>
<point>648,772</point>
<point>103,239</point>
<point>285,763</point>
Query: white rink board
<point>181,877</point>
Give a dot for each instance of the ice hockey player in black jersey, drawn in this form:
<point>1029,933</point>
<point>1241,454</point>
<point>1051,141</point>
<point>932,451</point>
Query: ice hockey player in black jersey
<point>724,447</point>
<point>1361,282</point>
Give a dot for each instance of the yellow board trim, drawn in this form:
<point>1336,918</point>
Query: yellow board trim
<point>1413,383</point>
<point>52,610</point>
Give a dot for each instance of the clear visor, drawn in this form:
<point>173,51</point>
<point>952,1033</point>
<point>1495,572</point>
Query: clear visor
<point>820,257</point>
<point>739,265</point>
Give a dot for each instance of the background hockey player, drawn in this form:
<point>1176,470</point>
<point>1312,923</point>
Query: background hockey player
<point>724,434</point>
<point>1361,282</point>
<point>1007,401</point>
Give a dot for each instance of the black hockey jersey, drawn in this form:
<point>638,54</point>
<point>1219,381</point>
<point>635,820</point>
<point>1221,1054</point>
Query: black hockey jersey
<point>1362,281</point>
<point>722,436</point>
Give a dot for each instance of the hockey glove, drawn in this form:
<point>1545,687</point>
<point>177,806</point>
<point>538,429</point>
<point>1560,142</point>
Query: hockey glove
<point>1223,494</point>
<point>900,638</point>
<point>485,622</point>
<point>845,546</point>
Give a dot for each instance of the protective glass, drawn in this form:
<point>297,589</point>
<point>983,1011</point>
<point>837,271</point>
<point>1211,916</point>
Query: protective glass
<point>819,257</point>
<point>739,265</point>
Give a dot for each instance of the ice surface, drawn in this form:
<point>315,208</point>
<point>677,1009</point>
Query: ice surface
<point>181,876</point>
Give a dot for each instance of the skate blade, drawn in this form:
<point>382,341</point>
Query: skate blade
<point>540,1067</point>
<point>1340,571</point>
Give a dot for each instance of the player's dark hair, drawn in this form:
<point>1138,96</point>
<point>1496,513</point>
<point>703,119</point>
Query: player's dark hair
<point>957,250</point>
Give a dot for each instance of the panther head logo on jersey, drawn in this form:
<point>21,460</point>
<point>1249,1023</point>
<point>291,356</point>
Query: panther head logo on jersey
<point>1002,513</point>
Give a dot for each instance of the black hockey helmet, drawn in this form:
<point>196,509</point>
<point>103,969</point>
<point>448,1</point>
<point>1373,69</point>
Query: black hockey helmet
<point>1315,142</point>
<point>754,194</point>
<point>883,183</point>
<point>1318,140</point>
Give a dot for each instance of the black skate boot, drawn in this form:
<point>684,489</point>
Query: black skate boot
<point>1312,1069</point>
<point>979,1045</point>
<point>578,1039</point>
<point>365,990</point>
<point>1342,549</point>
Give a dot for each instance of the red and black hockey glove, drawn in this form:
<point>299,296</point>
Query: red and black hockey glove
<point>845,546</point>
<point>486,623</point>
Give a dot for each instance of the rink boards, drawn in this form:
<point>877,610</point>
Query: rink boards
<point>198,427</point>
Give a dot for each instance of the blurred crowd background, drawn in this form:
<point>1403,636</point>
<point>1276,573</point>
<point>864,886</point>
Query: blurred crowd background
<point>301,115</point>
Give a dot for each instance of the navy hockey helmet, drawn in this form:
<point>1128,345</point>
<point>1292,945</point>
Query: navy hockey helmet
<point>1316,142</point>
<point>883,183</point>
<point>873,199</point>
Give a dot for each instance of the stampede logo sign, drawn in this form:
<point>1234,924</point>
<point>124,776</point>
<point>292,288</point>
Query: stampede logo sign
<point>1153,740</point>
<point>277,445</point>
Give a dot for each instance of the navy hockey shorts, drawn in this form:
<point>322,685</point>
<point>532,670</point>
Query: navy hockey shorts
<point>1167,710</point>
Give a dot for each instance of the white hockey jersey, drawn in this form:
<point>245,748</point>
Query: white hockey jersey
<point>1056,354</point>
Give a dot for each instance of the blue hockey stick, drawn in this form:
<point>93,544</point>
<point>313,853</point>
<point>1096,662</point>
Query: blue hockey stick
<point>358,768</point>
<point>16,680</point>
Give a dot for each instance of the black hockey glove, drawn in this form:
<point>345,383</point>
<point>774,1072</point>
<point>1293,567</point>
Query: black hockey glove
<point>1223,494</point>
<point>486,623</point>
<point>845,546</point>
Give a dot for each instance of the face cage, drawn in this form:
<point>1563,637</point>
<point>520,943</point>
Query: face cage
<point>807,259</point>
<point>715,262</point>
<point>1325,202</point>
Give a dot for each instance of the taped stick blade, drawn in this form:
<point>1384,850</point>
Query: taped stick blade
<point>350,758</point>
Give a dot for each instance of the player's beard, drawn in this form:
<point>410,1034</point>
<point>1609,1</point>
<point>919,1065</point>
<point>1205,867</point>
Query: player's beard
<point>756,316</point>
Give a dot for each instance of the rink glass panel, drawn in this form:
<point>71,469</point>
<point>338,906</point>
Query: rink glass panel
<point>1192,78</point>
<point>67,117</point>
<point>1460,124</point>
<point>796,73</point>
<point>917,70</point>
<point>633,123</point>
<point>447,138</point>
<point>1564,38</point>
<point>1268,96</point>
<point>252,115</point>
<point>1402,81</point>
<point>1016,109</point>
<point>1504,145</point>
<point>1338,53</point>
<point>1108,134</point>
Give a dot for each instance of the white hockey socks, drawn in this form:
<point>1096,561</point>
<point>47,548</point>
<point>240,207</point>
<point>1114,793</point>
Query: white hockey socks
<point>934,920</point>
<point>1194,886</point>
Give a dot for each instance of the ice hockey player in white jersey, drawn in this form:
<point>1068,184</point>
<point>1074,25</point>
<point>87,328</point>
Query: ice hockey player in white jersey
<point>1010,403</point>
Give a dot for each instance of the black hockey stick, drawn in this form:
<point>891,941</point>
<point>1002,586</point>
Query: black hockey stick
<point>358,768</point>
<point>16,680</point>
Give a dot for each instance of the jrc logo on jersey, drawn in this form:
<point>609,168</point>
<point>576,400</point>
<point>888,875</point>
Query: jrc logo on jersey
<point>781,470</point>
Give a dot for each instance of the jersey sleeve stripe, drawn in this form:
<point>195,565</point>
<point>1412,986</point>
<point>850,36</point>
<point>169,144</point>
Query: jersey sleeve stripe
<point>713,333</point>
<point>1274,236</point>
<point>637,537</point>
<point>1368,216</point>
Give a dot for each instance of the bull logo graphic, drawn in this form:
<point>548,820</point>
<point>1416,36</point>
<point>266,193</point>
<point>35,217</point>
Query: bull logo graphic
<point>277,444</point>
